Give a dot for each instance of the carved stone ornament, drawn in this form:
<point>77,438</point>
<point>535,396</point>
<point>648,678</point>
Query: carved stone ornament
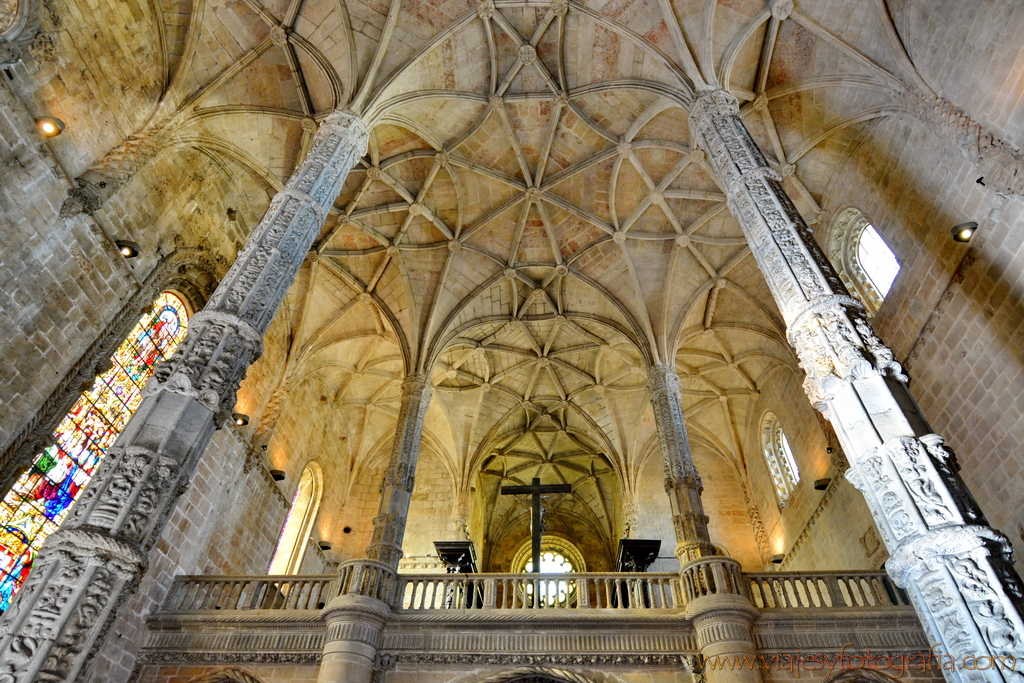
<point>513,659</point>
<point>95,560</point>
<point>956,569</point>
<point>1000,165</point>
<point>682,483</point>
<point>396,488</point>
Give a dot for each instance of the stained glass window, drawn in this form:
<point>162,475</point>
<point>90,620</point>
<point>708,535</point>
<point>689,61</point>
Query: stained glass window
<point>40,499</point>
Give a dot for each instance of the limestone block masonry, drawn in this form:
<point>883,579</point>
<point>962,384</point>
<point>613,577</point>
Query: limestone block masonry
<point>88,567</point>
<point>956,568</point>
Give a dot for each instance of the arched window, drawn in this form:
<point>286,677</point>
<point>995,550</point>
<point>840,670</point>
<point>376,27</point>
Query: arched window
<point>865,262</point>
<point>779,456</point>
<point>39,501</point>
<point>557,556</point>
<point>291,547</point>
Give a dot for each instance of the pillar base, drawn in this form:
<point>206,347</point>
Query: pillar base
<point>354,627</point>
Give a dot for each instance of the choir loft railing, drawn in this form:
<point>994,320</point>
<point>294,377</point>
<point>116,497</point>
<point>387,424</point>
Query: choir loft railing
<point>478,593</point>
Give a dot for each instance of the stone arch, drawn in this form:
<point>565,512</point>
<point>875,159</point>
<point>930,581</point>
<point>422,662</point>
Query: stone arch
<point>298,526</point>
<point>537,674</point>
<point>859,676</point>
<point>843,250</point>
<point>227,676</point>
<point>190,273</point>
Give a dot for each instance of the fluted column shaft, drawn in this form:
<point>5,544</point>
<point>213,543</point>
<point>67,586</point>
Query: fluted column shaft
<point>956,568</point>
<point>682,482</point>
<point>95,560</point>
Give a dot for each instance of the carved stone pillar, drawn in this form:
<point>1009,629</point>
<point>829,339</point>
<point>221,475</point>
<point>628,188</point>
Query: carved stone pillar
<point>356,618</point>
<point>94,561</point>
<point>682,483</point>
<point>396,490</point>
<point>354,627</point>
<point>956,568</point>
<point>722,615</point>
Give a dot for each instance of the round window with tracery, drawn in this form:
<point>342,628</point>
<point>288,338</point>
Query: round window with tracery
<point>551,562</point>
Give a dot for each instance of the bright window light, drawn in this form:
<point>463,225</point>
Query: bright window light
<point>877,260</point>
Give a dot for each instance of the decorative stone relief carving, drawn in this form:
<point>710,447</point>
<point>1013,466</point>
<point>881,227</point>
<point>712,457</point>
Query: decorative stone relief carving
<point>396,489</point>
<point>682,483</point>
<point>1000,165</point>
<point>95,560</point>
<point>956,569</point>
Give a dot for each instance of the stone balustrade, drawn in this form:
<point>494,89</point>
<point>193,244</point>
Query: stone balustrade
<point>537,591</point>
<point>825,590</point>
<point>601,618</point>
<point>203,593</point>
<point>408,593</point>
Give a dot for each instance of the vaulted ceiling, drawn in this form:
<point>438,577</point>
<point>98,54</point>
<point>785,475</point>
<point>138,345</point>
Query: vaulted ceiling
<point>531,224</point>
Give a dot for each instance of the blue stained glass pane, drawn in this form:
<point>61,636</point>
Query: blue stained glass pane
<point>34,508</point>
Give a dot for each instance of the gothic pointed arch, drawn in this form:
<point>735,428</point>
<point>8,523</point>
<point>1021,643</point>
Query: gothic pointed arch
<point>536,674</point>
<point>298,525</point>
<point>227,676</point>
<point>779,457</point>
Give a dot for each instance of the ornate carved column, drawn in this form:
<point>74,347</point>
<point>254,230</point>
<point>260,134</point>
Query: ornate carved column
<point>956,568</point>
<point>94,561</point>
<point>682,483</point>
<point>396,490</point>
<point>356,618</point>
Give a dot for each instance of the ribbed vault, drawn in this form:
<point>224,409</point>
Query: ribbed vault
<point>531,225</point>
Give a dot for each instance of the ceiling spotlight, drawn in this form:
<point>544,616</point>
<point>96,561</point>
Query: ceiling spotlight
<point>777,559</point>
<point>128,249</point>
<point>241,419</point>
<point>964,232</point>
<point>49,126</point>
<point>277,475</point>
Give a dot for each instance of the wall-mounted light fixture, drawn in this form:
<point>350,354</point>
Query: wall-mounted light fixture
<point>964,232</point>
<point>777,559</point>
<point>822,484</point>
<point>49,126</point>
<point>241,419</point>
<point>277,475</point>
<point>325,545</point>
<point>127,248</point>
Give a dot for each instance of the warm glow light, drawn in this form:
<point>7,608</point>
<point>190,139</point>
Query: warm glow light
<point>964,232</point>
<point>49,126</point>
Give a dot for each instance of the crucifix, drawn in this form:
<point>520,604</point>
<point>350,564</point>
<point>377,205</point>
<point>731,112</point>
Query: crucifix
<point>536,489</point>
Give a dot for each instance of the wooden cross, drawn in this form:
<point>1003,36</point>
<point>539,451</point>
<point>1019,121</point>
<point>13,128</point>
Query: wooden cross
<point>536,490</point>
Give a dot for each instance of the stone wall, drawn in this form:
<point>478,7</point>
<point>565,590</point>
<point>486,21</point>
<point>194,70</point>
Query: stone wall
<point>61,281</point>
<point>814,529</point>
<point>954,313</point>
